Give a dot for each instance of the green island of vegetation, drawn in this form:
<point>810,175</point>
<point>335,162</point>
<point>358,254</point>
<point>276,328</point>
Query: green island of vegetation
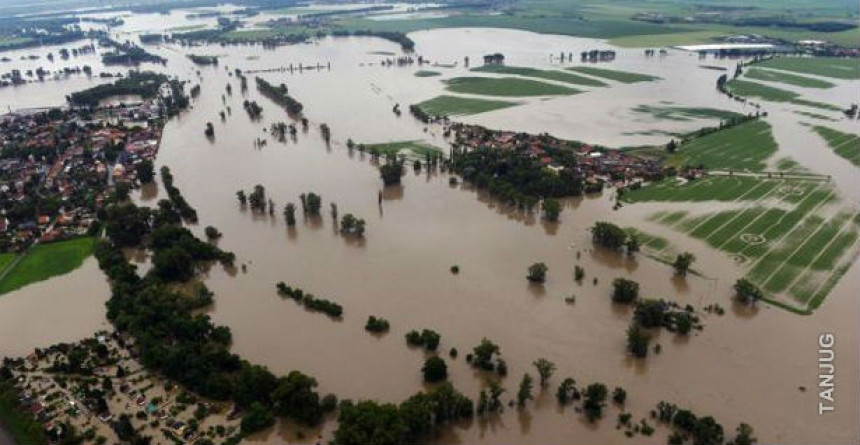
<point>787,78</point>
<point>837,68</point>
<point>506,86</point>
<point>846,145</point>
<point>676,113</point>
<point>618,76</point>
<point>427,73</point>
<point>558,76</point>
<point>446,105</point>
<point>44,261</point>
<point>745,88</point>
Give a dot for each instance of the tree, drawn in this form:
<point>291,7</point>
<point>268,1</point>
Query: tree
<point>651,313</point>
<point>391,172</point>
<point>564,394</point>
<point>608,235</point>
<point>369,423</point>
<point>595,395</point>
<point>313,203</point>
<point>351,224</point>
<point>578,273</point>
<point>545,369</point>
<point>145,171</point>
<point>434,369</point>
<point>495,391</point>
<point>483,354</point>
<point>257,198</point>
<point>682,263</point>
<point>632,244</point>
<point>525,392</point>
<point>256,418</point>
<point>537,272</point>
<point>212,232</point>
<point>551,209</point>
<point>240,195</point>
<point>295,397</point>
<point>746,292</point>
<point>624,291</point>
<point>619,395</point>
<point>745,436</point>
<point>671,146</point>
<point>637,341</point>
<point>376,324</point>
<point>290,214</point>
<point>173,264</point>
<point>210,130</point>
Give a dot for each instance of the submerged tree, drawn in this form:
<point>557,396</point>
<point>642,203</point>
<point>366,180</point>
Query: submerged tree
<point>537,272</point>
<point>551,209</point>
<point>683,262</point>
<point>545,369</point>
<point>290,214</point>
<point>525,392</point>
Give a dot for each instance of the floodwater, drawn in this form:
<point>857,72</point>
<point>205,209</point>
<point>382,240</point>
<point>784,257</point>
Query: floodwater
<point>745,366</point>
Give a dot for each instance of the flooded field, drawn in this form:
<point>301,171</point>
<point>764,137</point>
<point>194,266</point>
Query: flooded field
<point>746,366</point>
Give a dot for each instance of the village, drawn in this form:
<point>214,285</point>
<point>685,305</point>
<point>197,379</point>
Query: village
<point>96,390</point>
<point>58,166</point>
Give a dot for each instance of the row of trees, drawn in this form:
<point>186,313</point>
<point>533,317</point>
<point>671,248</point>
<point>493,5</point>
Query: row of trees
<point>309,301</point>
<point>279,95</point>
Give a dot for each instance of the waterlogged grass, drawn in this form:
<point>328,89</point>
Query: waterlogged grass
<point>746,88</point>
<point>506,86</point>
<point>5,260</point>
<point>838,68</point>
<point>618,76</point>
<point>744,147</point>
<point>45,261</point>
<point>460,106</point>
<point>791,79</point>
<point>715,188</point>
<point>558,76</point>
<point>846,145</point>
<point>427,73</point>
<point>685,113</point>
<point>815,116</point>
<point>416,148</point>
<point>654,242</point>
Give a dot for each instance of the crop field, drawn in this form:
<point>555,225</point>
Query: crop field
<point>746,88</point>
<point>713,188</point>
<point>461,106</point>
<point>417,149</point>
<point>791,236</point>
<point>833,67</point>
<point>44,261</point>
<point>743,147</point>
<point>506,86</point>
<point>787,78</point>
<point>675,113</point>
<point>558,76</point>
<point>846,145</point>
<point>618,76</point>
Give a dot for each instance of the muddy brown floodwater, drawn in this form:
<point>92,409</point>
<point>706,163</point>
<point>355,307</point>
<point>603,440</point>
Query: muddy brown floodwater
<point>743,367</point>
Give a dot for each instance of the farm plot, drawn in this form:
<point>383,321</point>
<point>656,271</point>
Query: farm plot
<point>791,237</point>
<point>461,106</point>
<point>846,145</point>
<point>506,86</point>
<point>745,88</point>
<point>834,67</point>
<point>787,78</point>
<point>714,188</point>
<point>618,76</point>
<point>558,76</point>
<point>743,147</point>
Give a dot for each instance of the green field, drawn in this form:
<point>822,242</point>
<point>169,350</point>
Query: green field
<point>846,145</point>
<point>789,236</point>
<point>744,147</point>
<point>822,66</point>
<point>791,79</point>
<point>746,88</point>
<point>427,73</point>
<point>460,106</point>
<point>618,76</point>
<point>417,149</point>
<point>685,113</point>
<point>558,76</point>
<point>713,188</point>
<point>506,87</point>
<point>44,261</point>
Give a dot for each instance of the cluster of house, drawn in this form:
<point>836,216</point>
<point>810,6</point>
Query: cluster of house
<point>57,165</point>
<point>594,163</point>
